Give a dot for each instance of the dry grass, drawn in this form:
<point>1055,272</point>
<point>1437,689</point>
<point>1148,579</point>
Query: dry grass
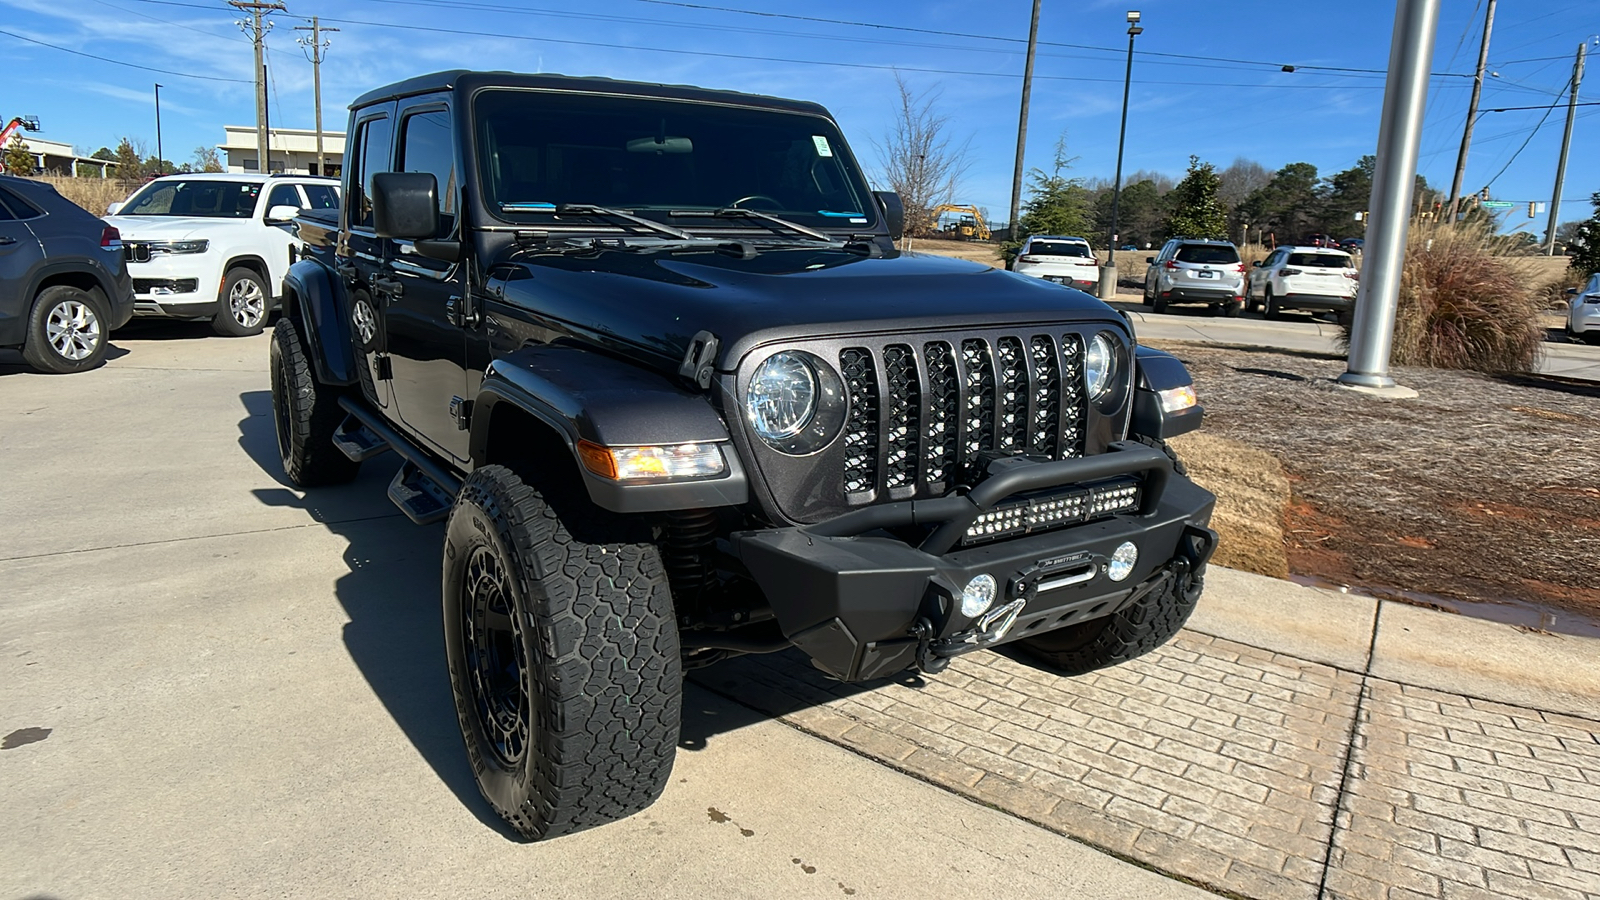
<point>1462,307</point>
<point>1252,494</point>
<point>93,194</point>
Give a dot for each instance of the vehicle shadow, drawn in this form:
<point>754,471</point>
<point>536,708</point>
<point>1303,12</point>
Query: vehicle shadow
<point>12,363</point>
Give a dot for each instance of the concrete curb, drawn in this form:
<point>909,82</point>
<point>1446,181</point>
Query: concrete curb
<point>1407,644</point>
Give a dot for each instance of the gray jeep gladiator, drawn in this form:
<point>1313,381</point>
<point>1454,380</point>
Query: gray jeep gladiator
<point>650,353</point>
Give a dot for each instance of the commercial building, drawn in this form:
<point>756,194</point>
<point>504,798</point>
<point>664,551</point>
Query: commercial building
<point>291,151</point>
<point>56,158</point>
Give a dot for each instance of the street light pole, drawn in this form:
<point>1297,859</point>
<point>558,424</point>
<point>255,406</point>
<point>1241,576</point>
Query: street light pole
<point>1404,99</point>
<point>1022,120</point>
<point>161,164</point>
<point>1108,273</point>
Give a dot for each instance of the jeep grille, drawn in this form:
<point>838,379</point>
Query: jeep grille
<point>934,411</point>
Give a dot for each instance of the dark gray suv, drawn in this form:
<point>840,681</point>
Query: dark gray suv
<point>63,283</point>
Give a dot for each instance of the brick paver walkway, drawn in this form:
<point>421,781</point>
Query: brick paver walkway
<point>1227,765</point>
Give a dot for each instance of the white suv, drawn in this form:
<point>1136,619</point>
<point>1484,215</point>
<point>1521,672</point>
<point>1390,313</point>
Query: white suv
<point>1190,270</point>
<point>1314,278</point>
<point>214,246</point>
<point>1583,314</point>
<point>1064,260</point>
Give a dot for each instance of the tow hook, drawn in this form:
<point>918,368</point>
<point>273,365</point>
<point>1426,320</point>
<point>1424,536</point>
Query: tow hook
<point>934,655</point>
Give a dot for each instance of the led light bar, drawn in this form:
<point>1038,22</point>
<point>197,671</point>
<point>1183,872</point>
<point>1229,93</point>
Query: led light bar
<point>1041,512</point>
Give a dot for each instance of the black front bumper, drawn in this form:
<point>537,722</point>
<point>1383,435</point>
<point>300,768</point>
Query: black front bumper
<point>865,604</point>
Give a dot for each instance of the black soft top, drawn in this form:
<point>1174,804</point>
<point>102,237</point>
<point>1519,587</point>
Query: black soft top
<point>467,81</point>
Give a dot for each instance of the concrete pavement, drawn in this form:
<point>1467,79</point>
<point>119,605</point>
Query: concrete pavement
<point>1301,332</point>
<point>212,686</point>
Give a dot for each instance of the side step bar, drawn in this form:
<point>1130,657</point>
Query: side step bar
<point>423,489</point>
<point>357,441</point>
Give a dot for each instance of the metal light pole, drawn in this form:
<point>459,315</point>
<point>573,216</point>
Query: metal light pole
<point>1108,272</point>
<point>1405,96</point>
<point>1022,121</point>
<point>161,159</point>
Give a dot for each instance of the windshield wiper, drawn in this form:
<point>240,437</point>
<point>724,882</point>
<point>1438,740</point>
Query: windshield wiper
<point>731,211</point>
<point>587,209</point>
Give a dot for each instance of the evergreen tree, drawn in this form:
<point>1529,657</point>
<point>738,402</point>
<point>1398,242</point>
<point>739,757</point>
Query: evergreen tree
<point>1287,206</point>
<point>1197,210</point>
<point>19,159</point>
<point>130,165</point>
<point>1056,204</point>
<point>1346,194</point>
<point>1583,251</point>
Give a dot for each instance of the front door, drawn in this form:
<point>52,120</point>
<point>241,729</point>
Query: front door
<point>19,253</point>
<point>428,351</point>
<point>362,254</point>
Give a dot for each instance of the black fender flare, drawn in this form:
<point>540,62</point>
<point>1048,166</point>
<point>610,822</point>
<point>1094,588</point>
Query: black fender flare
<point>312,297</point>
<point>583,395</point>
<point>1159,371</point>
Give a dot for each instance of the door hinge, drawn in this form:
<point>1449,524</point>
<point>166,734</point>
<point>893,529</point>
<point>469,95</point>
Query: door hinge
<point>461,411</point>
<point>385,369</point>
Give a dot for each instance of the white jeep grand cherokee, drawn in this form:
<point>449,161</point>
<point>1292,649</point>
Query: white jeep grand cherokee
<point>214,246</point>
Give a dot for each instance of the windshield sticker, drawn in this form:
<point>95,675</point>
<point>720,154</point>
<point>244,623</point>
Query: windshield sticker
<point>821,141</point>
<point>527,206</point>
<point>838,215</point>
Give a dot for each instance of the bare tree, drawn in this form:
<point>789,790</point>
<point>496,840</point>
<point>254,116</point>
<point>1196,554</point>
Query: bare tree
<point>1242,178</point>
<point>920,162</point>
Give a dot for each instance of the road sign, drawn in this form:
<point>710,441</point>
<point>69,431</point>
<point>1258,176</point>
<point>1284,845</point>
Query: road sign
<point>1497,204</point>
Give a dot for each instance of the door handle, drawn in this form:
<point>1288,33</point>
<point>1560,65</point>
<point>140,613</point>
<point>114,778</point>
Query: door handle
<point>6,240</point>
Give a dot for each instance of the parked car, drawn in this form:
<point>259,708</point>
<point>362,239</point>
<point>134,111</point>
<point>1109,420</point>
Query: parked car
<point>63,284</point>
<point>676,397</point>
<point>1352,245</point>
<point>1319,240</point>
<point>1064,260</point>
<point>215,246</point>
<point>1310,278</point>
<point>1195,271</point>
<point>1127,247</point>
<point>1583,315</point>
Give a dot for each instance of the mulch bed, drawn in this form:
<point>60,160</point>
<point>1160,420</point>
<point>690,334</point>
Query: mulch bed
<point>1481,496</point>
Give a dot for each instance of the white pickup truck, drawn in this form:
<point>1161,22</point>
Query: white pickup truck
<point>214,246</point>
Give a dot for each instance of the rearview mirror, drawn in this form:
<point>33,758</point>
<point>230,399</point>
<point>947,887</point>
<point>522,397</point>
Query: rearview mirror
<point>405,205</point>
<point>894,212</point>
<point>112,208</point>
<point>661,145</point>
<point>281,214</point>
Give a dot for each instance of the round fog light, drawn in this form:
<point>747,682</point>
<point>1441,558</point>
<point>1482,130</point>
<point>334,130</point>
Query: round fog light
<point>1122,561</point>
<point>977,596</point>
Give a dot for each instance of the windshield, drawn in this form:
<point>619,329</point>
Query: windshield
<point>1057,248</point>
<point>208,198</point>
<point>1320,260</point>
<point>539,150</point>
<point>1208,253</point>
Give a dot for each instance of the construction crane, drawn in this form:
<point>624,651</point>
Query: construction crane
<point>18,124</point>
<point>967,224</point>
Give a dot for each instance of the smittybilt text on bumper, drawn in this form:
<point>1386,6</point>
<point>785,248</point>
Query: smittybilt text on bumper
<point>864,603</point>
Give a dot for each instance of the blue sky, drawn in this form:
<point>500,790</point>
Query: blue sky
<point>1230,99</point>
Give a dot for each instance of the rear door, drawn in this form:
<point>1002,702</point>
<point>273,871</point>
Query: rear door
<point>360,255</point>
<point>427,351</point>
<point>20,253</point>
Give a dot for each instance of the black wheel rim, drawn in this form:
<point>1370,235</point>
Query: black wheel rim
<point>282,414</point>
<point>496,662</point>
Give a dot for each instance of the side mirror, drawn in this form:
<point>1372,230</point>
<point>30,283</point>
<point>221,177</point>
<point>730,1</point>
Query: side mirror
<point>894,212</point>
<point>112,208</point>
<point>1149,260</point>
<point>281,214</point>
<point>405,205</point>
<point>1258,263</point>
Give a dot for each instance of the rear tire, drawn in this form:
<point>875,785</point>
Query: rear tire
<point>67,331</point>
<point>243,306</point>
<point>563,652</point>
<point>305,414</point>
<point>1273,312</point>
<point>1158,306</point>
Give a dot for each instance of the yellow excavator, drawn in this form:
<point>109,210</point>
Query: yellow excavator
<point>965,223</point>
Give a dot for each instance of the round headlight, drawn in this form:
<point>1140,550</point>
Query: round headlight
<point>1122,561</point>
<point>1100,366</point>
<point>782,396</point>
<point>978,596</point>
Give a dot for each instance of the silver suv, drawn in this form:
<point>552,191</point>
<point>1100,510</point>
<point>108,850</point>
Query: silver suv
<point>1196,271</point>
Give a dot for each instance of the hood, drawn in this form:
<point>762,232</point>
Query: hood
<point>657,302</point>
<point>173,228</point>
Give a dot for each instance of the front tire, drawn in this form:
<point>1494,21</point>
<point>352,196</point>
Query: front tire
<point>1273,312</point>
<point>305,414</point>
<point>242,309</point>
<point>563,654</point>
<point>66,331</point>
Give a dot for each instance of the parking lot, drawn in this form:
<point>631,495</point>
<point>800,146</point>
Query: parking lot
<point>215,686</point>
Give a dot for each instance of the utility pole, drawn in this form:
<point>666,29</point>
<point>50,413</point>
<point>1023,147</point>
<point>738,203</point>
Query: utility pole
<point>1108,272</point>
<point>161,164</point>
<point>257,34</point>
<point>1472,112</point>
<point>1404,97</point>
<point>1022,122</point>
<point>1566,144</point>
<point>317,45</point>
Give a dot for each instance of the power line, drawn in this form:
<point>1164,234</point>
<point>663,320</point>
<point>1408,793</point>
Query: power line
<point>118,62</point>
<point>1542,119</point>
